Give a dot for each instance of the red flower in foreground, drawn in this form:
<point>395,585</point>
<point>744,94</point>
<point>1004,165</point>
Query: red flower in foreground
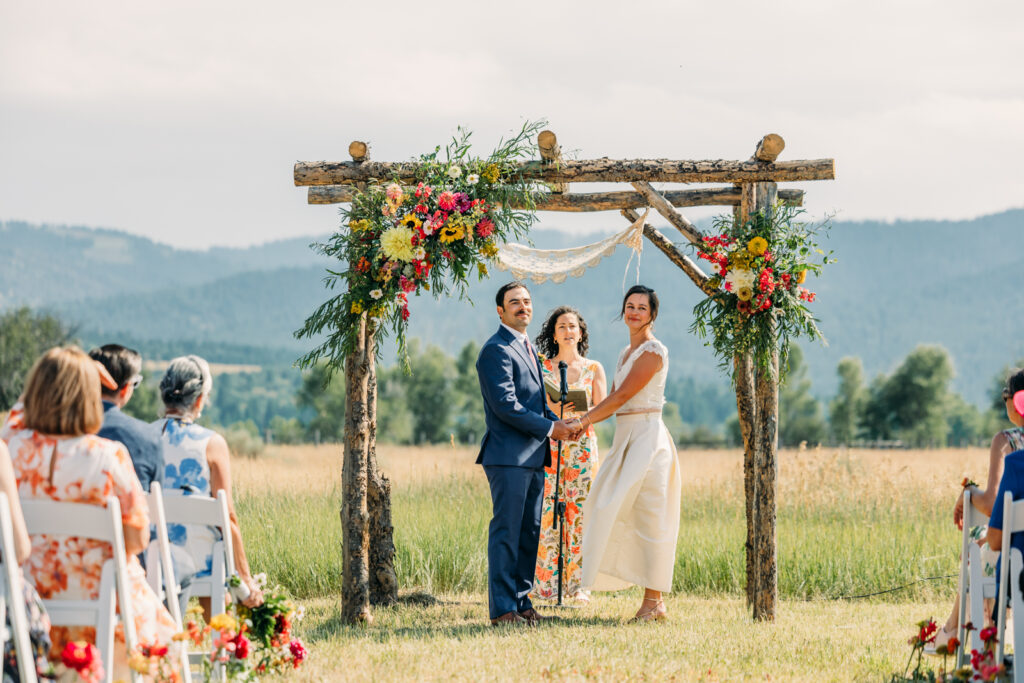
<point>446,200</point>
<point>485,227</point>
<point>241,646</point>
<point>952,644</point>
<point>298,651</point>
<point>928,630</point>
<point>988,634</point>
<point>79,655</point>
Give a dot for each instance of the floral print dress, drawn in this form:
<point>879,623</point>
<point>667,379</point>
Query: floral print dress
<point>579,465</point>
<point>85,469</point>
<point>187,472</point>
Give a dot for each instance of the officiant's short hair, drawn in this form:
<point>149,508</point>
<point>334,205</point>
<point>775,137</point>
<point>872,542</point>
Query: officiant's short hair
<point>499,298</point>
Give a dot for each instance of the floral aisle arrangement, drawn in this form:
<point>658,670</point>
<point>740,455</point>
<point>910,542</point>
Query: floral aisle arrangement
<point>760,301</point>
<point>432,235</point>
<point>248,643</point>
<point>982,666</point>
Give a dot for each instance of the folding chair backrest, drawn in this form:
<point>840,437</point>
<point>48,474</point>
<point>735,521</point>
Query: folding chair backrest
<point>1017,605</point>
<point>13,598</point>
<point>1013,521</point>
<point>160,569</point>
<point>974,586</point>
<point>102,524</point>
<point>213,512</point>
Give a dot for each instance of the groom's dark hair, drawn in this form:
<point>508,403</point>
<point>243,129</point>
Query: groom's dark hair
<point>499,298</point>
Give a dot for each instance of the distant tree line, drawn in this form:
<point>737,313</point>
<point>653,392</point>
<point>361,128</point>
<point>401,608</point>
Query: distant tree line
<point>439,400</point>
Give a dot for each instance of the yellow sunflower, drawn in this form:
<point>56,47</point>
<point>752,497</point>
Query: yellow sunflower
<point>745,293</point>
<point>801,277</point>
<point>411,221</point>
<point>451,233</point>
<point>757,246</point>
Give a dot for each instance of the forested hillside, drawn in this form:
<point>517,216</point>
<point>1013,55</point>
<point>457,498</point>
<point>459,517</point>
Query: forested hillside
<point>896,285</point>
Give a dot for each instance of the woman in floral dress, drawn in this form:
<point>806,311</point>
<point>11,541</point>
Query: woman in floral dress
<point>57,456</point>
<point>564,338</point>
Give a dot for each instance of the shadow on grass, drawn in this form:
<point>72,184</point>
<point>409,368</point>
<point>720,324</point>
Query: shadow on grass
<point>433,626</point>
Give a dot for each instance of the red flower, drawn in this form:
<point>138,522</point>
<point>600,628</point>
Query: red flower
<point>422,209</point>
<point>406,284</point>
<point>79,655</point>
<point>988,634</point>
<point>446,254</point>
<point>485,227</point>
<point>767,256</point>
<point>446,200</point>
<point>241,646</point>
<point>786,280</point>
<point>928,629</point>
<point>405,313</point>
<point>363,265</point>
<point>155,651</point>
<point>765,282</point>
<point>298,651</point>
<point>952,644</point>
<point>743,307</point>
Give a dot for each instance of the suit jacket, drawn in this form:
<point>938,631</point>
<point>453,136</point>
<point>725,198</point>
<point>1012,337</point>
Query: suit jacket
<point>141,440</point>
<point>517,415</point>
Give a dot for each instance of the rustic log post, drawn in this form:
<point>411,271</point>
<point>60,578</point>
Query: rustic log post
<point>551,153</point>
<point>767,425</point>
<point>355,598</point>
<point>383,577</point>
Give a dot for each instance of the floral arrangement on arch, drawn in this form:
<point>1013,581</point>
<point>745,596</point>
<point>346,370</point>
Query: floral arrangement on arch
<point>399,240</point>
<point>760,301</point>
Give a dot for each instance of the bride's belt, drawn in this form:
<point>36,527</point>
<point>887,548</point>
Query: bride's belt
<point>638,411</point>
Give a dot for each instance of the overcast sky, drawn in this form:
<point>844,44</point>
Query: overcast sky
<point>181,120</point>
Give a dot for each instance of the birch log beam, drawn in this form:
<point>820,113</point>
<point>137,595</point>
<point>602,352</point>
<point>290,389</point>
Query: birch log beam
<point>662,206</point>
<point>769,148</point>
<point>585,171</point>
<point>551,153</point>
<point>591,201</point>
<point>684,262</point>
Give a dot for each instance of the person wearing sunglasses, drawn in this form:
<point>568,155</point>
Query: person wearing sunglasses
<point>141,440</point>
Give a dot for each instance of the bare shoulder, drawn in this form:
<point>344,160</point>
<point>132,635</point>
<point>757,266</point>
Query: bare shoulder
<point>217,450</point>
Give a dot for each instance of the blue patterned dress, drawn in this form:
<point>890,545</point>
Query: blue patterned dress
<point>187,473</point>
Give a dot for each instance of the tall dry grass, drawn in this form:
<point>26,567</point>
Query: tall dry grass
<point>850,521</point>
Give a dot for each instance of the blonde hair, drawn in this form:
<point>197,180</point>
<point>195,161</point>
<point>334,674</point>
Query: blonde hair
<point>62,394</point>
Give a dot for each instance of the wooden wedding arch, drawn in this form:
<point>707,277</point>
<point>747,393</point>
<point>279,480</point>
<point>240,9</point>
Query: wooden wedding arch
<point>751,185</point>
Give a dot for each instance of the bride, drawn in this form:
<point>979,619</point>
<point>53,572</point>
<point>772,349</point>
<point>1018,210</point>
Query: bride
<point>632,514</point>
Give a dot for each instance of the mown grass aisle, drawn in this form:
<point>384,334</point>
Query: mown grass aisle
<point>849,523</point>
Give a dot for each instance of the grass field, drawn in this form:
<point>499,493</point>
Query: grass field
<point>850,522</point>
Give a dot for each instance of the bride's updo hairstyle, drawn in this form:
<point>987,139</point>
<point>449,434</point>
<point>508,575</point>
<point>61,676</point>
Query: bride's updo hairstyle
<point>186,379</point>
<point>546,343</point>
<point>652,299</point>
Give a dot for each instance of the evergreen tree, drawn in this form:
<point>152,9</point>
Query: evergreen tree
<point>800,414</point>
<point>846,408</point>
<point>24,336</point>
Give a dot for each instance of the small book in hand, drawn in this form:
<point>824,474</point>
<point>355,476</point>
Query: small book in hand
<point>577,397</point>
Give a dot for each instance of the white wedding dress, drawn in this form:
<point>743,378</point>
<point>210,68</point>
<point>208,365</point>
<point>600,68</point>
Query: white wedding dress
<point>631,519</point>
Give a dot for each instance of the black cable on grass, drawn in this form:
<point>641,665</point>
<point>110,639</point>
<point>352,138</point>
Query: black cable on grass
<point>893,590</point>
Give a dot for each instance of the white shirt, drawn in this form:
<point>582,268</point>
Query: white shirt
<point>522,339</point>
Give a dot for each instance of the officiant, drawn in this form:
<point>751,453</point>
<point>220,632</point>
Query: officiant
<point>564,339</point>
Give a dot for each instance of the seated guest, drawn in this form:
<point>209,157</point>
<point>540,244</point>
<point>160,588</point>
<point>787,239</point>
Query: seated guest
<point>57,456</point>
<point>1003,443</point>
<point>38,623</point>
<point>143,444</point>
<point>1013,468</point>
<point>198,461</point>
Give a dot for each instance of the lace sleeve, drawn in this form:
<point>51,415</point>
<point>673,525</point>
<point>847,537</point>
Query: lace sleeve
<point>656,347</point>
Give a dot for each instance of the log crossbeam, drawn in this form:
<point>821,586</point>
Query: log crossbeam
<point>589,201</point>
<point>664,207</point>
<point>307,173</point>
<point>685,263</point>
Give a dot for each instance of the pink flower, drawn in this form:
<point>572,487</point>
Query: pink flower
<point>423,190</point>
<point>765,282</point>
<point>446,201</point>
<point>298,651</point>
<point>406,284</point>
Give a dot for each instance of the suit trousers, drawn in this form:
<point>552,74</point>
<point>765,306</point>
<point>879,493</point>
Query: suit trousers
<point>513,537</point>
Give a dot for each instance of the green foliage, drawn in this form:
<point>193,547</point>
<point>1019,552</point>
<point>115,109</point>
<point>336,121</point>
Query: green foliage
<point>397,243</point>
<point>145,403</point>
<point>800,414</point>
<point>848,404</point>
<point>244,439</point>
<point>257,396</point>
<point>24,336</point>
<point>323,396</point>
<point>763,262</point>
<point>286,431</point>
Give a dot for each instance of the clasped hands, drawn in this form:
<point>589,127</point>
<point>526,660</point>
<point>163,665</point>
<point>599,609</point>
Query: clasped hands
<point>568,430</point>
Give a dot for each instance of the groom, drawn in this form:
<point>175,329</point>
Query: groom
<point>514,452</point>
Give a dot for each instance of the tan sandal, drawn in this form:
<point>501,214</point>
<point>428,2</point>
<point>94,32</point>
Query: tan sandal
<point>656,613</point>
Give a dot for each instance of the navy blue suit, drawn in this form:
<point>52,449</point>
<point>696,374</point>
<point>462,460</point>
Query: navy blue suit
<point>141,440</point>
<point>514,452</point>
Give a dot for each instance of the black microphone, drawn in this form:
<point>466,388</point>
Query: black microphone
<point>564,389</point>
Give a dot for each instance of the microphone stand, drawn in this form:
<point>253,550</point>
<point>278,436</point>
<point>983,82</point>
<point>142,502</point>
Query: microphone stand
<point>560,504</point>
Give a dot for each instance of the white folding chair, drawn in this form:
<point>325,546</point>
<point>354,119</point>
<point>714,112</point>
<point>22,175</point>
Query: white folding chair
<point>973,583</point>
<point>212,512</point>
<point>160,569</point>
<point>102,524</point>
<point>1013,521</point>
<point>12,598</point>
